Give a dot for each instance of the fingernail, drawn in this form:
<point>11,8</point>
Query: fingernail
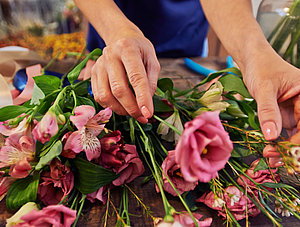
<point>145,112</point>
<point>270,130</point>
<point>142,120</point>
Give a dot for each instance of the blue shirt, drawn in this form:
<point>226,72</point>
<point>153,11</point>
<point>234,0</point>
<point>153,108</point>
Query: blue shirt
<point>176,28</point>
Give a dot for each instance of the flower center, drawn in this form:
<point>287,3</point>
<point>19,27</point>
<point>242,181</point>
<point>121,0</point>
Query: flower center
<point>204,151</point>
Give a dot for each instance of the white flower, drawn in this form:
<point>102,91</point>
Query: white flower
<point>278,207</point>
<point>167,133</point>
<point>296,201</point>
<point>218,202</point>
<point>212,98</point>
<point>286,213</point>
<point>16,218</point>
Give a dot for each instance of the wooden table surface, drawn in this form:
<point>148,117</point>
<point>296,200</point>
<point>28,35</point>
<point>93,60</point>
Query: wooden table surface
<point>94,213</point>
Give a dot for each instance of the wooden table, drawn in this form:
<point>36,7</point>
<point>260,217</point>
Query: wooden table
<point>94,213</point>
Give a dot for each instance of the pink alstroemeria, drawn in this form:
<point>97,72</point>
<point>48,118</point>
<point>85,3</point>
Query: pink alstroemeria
<point>46,128</point>
<point>56,215</point>
<point>5,183</point>
<point>89,127</point>
<point>22,128</point>
<point>17,152</point>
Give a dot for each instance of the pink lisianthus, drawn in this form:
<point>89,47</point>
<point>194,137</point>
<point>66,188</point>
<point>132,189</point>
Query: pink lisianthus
<point>17,152</point>
<point>204,148</point>
<point>185,219</point>
<point>260,176</point>
<point>56,184</point>
<point>46,128</point>
<point>56,215</point>
<point>121,158</point>
<point>172,171</point>
<point>89,127</point>
<point>234,200</point>
<point>98,195</point>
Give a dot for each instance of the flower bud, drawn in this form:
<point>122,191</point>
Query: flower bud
<point>61,119</point>
<point>25,209</point>
<point>234,109</point>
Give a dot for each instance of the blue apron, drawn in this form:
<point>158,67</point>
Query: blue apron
<point>176,28</point>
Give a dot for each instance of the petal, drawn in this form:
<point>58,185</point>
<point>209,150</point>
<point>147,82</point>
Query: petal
<point>83,114</point>
<point>91,145</point>
<point>74,142</point>
<point>21,169</point>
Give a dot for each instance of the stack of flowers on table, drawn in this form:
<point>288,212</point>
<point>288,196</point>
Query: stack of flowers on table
<point>61,148</point>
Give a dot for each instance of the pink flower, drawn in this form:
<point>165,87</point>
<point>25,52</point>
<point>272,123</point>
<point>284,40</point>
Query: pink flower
<point>260,176</point>
<point>5,183</point>
<point>121,158</point>
<point>56,184</point>
<point>89,127</point>
<point>56,215</point>
<point>185,219</point>
<point>46,128</point>
<point>17,152</point>
<point>67,153</point>
<point>99,195</point>
<point>204,148</point>
<point>172,170</point>
<point>234,200</point>
<point>22,128</point>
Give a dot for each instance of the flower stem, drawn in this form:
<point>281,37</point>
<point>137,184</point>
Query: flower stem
<point>80,209</point>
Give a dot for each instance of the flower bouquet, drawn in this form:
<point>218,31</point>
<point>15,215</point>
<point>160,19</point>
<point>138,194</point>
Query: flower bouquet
<point>62,148</point>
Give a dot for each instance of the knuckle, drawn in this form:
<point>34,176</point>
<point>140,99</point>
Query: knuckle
<point>137,79</point>
<point>123,43</point>
<point>118,90</point>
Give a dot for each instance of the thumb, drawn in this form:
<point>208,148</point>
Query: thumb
<point>268,113</point>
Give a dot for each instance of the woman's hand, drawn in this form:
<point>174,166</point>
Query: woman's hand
<point>275,85</point>
<point>130,59</point>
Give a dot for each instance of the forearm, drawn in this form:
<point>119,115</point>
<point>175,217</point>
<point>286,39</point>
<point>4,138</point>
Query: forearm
<point>107,19</point>
<point>235,25</point>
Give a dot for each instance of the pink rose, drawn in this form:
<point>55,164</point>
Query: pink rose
<point>56,184</point>
<point>185,219</point>
<point>204,148</point>
<point>56,215</point>
<point>260,176</point>
<point>172,170</point>
<point>121,158</point>
<point>234,200</point>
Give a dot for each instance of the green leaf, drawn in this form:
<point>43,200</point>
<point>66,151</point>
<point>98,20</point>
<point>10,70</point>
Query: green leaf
<point>37,95</point>
<point>84,101</point>
<point>252,118</point>
<point>47,83</point>
<point>261,165</point>
<point>240,151</point>
<point>90,177</point>
<point>9,112</point>
<point>165,84</point>
<point>160,106</point>
<point>81,89</point>
<point>73,75</point>
<point>54,152</point>
<point>278,185</point>
<point>232,83</point>
<point>22,191</point>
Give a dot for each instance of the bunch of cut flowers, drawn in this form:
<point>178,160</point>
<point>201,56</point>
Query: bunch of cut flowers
<point>61,148</point>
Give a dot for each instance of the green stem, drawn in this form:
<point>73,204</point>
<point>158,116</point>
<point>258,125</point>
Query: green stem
<point>75,100</point>
<point>80,209</point>
<point>169,210</point>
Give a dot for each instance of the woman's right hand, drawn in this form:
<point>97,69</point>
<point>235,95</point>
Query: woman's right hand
<point>130,58</point>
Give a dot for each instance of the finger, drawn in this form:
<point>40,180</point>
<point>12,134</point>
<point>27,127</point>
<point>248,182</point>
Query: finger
<point>138,78</point>
<point>295,139</point>
<point>120,89</point>
<point>268,112</point>
<point>88,68</point>
<point>270,151</point>
<point>152,70</point>
<point>102,92</point>
<point>81,74</point>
